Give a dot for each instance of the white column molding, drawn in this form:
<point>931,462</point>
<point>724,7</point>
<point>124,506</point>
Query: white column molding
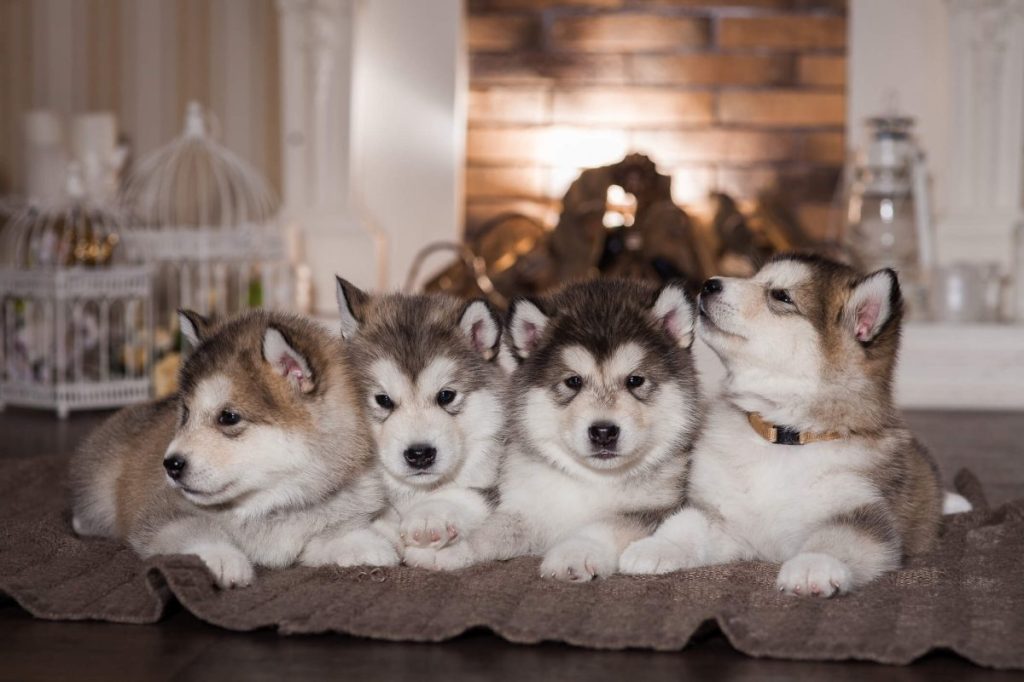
<point>316,74</point>
<point>316,56</point>
<point>986,134</point>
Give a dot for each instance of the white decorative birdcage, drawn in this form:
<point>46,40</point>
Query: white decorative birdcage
<point>76,319</point>
<point>208,223</point>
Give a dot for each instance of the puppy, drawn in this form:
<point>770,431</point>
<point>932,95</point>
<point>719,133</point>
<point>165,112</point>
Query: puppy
<point>604,407</point>
<point>804,461</point>
<point>429,377</point>
<point>263,458</point>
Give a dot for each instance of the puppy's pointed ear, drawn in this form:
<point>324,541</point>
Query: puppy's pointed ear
<point>481,326</point>
<point>874,301</point>
<point>351,301</point>
<point>526,323</point>
<point>194,327</point>
<point>675,313</point>
<point>287,361</point>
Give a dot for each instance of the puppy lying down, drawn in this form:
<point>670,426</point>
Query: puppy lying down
<point>262,459</point>
<point>804,460</point>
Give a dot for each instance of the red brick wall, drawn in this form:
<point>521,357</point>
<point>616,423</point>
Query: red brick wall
<point>733,95</point>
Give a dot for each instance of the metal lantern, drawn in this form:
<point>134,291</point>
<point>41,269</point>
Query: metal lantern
<point>887,207</point>
<point>76,318</point>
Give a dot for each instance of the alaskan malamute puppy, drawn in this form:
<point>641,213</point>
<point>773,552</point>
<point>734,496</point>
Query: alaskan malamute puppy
<point>604,408</point>
<point>263,458</point>
<point>804,461</point>
<point>429,378</point>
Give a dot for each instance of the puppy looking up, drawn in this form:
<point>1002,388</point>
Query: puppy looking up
<point>263,458</point>
<point>804,461</point>
<point>429,378</point>
<point>604,406</point>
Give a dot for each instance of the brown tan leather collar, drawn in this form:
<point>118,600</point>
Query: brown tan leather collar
<point>785,436</point>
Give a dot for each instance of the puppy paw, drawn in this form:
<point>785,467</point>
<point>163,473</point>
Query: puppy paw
<point>579,560</point>
<point>432,524</point>
<point>652,556</point>
<point>449,558</point>
<point>230,568</point>
<point>358,548</point>
<point>814,575</point>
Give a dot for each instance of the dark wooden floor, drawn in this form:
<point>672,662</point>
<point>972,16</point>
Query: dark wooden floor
<point>183,648</point>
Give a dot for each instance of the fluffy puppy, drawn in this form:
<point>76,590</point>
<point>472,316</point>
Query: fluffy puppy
<point>263,457</point>
<point>604,406</point>
<point>804,460</point>
<point>429,378</point>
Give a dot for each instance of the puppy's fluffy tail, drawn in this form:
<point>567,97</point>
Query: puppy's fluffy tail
<point>93,492</point>
<point>133,438</point>
<point>955,504</point>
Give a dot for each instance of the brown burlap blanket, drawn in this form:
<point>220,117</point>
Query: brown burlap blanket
<point>966,596</point>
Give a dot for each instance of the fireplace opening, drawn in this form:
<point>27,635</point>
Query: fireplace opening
<point>727,115</point>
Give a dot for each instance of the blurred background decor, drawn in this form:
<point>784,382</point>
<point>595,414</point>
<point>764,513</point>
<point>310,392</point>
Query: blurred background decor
<point>618,221</point>
<point>500,147</point>
<point>76,312</point>
<point>886,207</point>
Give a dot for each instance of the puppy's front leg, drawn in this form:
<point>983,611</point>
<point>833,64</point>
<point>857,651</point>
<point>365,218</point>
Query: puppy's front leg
<point>845,552</point>
<point>388,524</point>
<point>686,539</point>
<point>443,517</point>
<point>591,552</point>
<point>348,546</point>
<point>190,535</point>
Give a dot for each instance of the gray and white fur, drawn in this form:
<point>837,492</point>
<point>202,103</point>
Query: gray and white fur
<point>429,378</point>
<point>604,406</point>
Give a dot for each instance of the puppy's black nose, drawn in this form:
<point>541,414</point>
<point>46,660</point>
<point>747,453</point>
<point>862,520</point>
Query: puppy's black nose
<point>604,434</point>
<point>175,465</point>
<point>420,456</point>
<point>711,287</point>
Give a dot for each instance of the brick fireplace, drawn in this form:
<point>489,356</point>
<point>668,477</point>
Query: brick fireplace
<point>736,96</point>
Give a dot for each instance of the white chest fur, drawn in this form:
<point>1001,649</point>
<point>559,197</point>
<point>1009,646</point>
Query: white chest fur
<point>555,502</point>
<point>277,539</point>
<point>769,497</point>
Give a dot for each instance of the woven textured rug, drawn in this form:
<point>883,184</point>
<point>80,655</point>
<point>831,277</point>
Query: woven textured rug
<point>967,596</point>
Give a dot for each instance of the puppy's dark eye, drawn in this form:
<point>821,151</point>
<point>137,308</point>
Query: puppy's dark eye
<point>575,382</point>
<point>384,400</point>
<point>635,381</point>
<point>781,295</point>
<point>228,418</point>
<point>445,397</point>
<point>184,415</point>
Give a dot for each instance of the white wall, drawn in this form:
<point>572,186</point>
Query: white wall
<point>409,124</point>
<point>901,46</point>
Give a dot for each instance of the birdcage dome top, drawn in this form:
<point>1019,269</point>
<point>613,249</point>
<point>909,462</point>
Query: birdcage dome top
<point>195,182</point>
<point>68,232</point>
